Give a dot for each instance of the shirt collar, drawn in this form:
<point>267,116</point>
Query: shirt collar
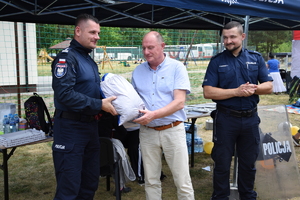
<point>160,65</point>
<point>230,53</point>
<point>75,44</point>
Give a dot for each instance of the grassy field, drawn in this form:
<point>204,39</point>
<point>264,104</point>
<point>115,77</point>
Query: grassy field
<point>31,174</point>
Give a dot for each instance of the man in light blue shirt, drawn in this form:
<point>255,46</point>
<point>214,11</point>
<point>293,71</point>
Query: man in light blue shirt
<point>162,83</point>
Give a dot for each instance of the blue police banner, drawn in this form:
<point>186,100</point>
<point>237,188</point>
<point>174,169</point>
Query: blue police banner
<point>278,9</point>
<point>277,175</point>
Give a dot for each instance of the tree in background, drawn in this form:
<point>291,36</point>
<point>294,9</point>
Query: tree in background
<point>263,41</point>
<point>50,34</point>
<point>270,41</point>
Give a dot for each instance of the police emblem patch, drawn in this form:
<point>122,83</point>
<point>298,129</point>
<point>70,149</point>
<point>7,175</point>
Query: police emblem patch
<point>60,69</point>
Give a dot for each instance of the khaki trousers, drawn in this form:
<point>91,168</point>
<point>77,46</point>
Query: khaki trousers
<point>171,142</point>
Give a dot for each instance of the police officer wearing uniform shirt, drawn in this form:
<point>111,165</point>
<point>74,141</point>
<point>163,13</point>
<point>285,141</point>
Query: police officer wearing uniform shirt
<point>231,81</point>
<point>76,85</point>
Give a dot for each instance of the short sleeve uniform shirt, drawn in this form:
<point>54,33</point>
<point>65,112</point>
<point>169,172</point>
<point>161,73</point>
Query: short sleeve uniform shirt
<point>227,71</point>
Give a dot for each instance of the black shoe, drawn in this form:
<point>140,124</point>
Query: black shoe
<point>124,190</point>
<point>162,176</point>
<point>296,141</point>
<point>141,181</point>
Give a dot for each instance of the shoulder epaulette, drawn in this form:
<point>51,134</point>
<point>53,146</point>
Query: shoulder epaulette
<point>254,52</point>
<point>216,55</point>
<point>63,54</point>
<point>66,50</point>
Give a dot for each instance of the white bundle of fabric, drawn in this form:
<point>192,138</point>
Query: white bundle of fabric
<point>128,102</point>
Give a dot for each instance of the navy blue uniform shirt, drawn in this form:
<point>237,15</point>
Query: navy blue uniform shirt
<point>76,81</point>
<point>227,71</point>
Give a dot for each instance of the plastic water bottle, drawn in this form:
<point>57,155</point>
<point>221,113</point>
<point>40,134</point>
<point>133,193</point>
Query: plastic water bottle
<point>188,138</point>
<point>5,123</point>
<point>16,118</point>
<point>198,145</point>
<point>12,124</point>
<point>189,144</point>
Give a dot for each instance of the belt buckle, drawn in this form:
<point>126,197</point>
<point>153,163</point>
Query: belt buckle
<point>86,118</point>
<point>236,113</point>
<point>246,113</point>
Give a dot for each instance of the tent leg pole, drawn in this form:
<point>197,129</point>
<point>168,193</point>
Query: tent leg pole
<point>246,30</point>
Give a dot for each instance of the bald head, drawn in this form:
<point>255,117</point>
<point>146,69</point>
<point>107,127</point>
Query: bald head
<point>153,48</point>
<point>156,35</point>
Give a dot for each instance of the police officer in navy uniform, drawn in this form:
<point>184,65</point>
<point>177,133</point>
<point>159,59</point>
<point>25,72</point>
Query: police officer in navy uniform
<point>232,81</point>
<point>76,85</point>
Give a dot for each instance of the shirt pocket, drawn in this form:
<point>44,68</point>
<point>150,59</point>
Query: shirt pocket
<point>226,73</point>
<point>252,70</point>
<point>165,84</point>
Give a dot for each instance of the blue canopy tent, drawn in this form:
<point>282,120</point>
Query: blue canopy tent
<point>277,9</point>
<point>177,14</point>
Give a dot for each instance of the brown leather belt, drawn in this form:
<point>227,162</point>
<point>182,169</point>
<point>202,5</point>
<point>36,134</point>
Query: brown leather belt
<point>164,127</point>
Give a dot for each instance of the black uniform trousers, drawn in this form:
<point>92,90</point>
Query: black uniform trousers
<point>242,134</point>
<point>76,151</point>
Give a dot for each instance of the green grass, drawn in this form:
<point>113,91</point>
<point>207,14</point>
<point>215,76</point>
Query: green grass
<point>44,69</point>
<point>31,174</point>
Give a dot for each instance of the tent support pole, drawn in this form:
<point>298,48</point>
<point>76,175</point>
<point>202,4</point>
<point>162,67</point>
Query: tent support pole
<point>189,49</point>
<point>246,30</point>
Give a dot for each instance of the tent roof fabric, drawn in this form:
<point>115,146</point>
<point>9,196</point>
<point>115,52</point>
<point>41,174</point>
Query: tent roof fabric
<point>283,9</point>
<point>177,14</point>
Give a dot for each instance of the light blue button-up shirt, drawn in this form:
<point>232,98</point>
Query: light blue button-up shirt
<point>156,87</point>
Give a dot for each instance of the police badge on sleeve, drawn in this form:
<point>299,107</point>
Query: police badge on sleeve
<point>60,68</point>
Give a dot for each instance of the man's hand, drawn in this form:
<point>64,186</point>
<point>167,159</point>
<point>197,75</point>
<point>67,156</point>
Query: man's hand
<point>147,117</point>
<point>246,90</point>
<point>107,106</point>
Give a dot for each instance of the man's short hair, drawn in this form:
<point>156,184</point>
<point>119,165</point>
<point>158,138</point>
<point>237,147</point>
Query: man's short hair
<point>234,24</point>
<point>158,36</point>
<point>85,17</point>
